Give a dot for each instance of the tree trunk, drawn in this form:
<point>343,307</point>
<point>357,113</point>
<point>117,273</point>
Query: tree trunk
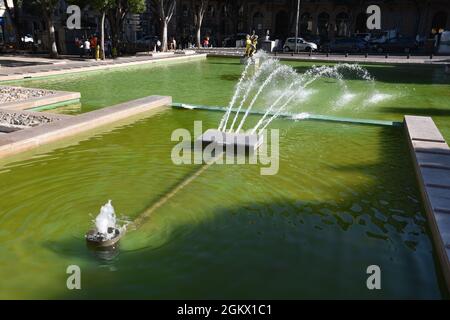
<point>15,20</point>
<point>198,37</point>
<point>164,37</point>
<point>102,41</point>
<point>51,37</point>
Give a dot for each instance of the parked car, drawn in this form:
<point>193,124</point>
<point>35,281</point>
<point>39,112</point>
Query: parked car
<point>28,38</point>
<point>405,45</point>
<point>444,44</point>
<point>302,45</point>
<point>363,36</point>
<point>148,41</point>
<point>230,41</point>
<point>348,45</point>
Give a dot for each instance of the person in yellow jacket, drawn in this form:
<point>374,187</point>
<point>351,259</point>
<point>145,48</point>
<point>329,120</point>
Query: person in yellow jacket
<point>248,46</point>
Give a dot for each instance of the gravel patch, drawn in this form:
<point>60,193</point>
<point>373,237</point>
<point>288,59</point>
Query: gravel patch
<point>10,118</point>
<point>13,94</point>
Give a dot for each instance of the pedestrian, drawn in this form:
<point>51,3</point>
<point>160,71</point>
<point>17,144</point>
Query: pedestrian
<point>79,46</point>
<point>158,45</point>
<point>87,48</point>
<point>108,47</point>
<point>93,43</point>
<point>206,42</point>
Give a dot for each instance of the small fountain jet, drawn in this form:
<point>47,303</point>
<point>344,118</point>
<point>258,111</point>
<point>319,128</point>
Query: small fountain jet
<point>106,232</point>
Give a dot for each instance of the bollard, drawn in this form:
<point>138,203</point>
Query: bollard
<point>408,56</point>
<point>387,55</point>
<point>431,56</point>
<point>346,55</point>
<point>366,55</point>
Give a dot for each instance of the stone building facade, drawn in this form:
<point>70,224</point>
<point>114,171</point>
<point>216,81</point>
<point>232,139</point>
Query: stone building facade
<point>327,19</point>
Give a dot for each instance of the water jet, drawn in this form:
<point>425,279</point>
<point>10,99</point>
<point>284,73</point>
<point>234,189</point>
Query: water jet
<point>106,232</point>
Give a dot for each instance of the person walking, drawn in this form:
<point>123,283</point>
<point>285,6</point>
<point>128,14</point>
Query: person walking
<point>87,48</point>
<point>93,43</point>
<point>206,42</point>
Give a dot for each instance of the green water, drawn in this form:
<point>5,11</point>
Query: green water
<point>397,90</point>
<point>344,198</point>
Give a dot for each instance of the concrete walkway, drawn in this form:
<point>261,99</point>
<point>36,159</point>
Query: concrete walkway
<point>44,67</point>
<point>337,57</point>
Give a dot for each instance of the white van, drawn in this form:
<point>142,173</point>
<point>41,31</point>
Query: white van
<point>444,45</point>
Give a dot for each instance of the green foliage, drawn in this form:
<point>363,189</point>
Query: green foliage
<point>136,6</point>
<point>46,5</point>
<point>132,6</point>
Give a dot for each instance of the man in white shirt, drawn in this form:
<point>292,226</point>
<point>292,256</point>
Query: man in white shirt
<point>87,47</point>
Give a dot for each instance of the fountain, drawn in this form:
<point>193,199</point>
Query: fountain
<point>106,232</point>
<point>278,86</point>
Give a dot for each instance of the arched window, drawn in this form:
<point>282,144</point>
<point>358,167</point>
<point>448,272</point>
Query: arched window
<point>342,21</point>
<point>241,11</point>
<point>323,21</point>
<point>361,23</point>
<point>305,23</point>
<point>282,24</point>
<point>439,21</point>
<point>212,11</point>
<point>258,20</point>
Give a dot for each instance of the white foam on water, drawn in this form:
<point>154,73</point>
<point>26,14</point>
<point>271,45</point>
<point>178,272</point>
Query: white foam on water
<point>188,106</point>
<point>301,116</point>
<point>106,218</point>
<point>378,97</point>
<point>278,87</point>
<point>345,99</point>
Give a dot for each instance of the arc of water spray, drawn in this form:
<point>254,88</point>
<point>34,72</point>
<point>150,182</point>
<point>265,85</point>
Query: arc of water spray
<point>269,78</point>
<point>271,108</point>
<point>224,121</point>
<point>247,92</point>
<point>315,75</point>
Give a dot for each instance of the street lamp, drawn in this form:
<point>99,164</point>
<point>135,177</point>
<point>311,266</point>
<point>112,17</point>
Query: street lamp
<point>296,26</point>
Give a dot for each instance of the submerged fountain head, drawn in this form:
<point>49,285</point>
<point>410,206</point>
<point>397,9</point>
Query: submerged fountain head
<point>236,141</point>
<point>106,232</point>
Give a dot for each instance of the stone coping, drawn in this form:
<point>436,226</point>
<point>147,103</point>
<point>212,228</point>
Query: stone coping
<point>337,58</point>
<point>96,65</point>
<point>55,97</point>
<point>431,156</point>
<point>27,139</point>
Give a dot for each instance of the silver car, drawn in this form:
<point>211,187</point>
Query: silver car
<point>302,45</point>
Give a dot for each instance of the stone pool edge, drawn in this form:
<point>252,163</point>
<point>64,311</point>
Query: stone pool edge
<point>24,140</point>
<point>36,75</point>
<point>431,157</point>
<point>56,98</point>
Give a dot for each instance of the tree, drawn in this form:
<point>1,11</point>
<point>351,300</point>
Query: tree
<point>47,8</point>
<point>14,13</point>
<point>103,6</point>
<point>200,7</point>
<point>165,10</point>
<point>116,13</point>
